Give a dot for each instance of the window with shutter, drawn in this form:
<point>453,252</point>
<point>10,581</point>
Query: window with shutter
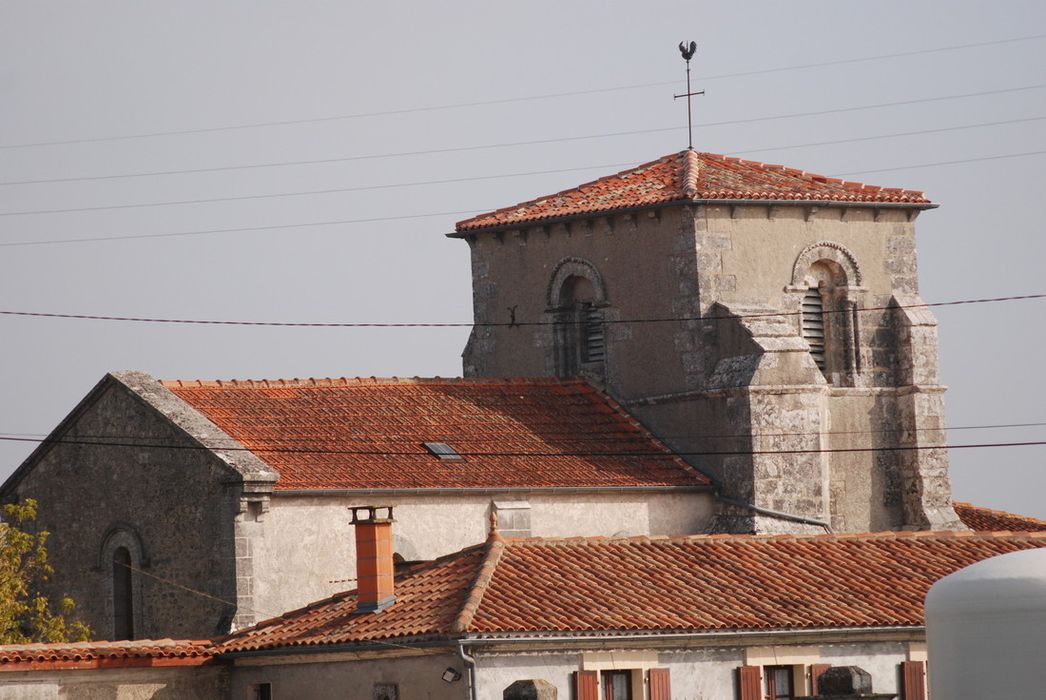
<point>827,284</point>
<point>780,683</point>
<point>815,674</point>
<point>660,685</point>
<point>913,677</point>
<point>617,685</point>
<point>813,325</point>
<point>586,685</point>
<point>750,683</point>
<point>578,302</point>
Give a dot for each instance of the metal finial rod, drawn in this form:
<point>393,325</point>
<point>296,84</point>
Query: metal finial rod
<point>688,53</point>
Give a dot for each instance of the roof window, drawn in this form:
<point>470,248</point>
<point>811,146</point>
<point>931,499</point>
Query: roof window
<point>443,451</point>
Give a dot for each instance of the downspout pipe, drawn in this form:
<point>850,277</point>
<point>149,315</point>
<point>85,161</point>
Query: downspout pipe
<point>470,662</point>
<point>776,513</point>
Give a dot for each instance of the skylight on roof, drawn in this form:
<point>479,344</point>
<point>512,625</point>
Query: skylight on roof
<point>442,450</point>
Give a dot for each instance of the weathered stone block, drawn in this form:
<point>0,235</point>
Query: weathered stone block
<point>538,689</point>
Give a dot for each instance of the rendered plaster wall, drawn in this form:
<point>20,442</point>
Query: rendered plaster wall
<point>494,673</point>
<point>696,674</point>
<point>167,504</point>
<point>190,683</point>
<point>306,550</point>
<point>339,679</point>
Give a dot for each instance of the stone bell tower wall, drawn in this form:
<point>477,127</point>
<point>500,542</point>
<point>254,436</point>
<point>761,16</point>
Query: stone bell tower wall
<point>700,306</point>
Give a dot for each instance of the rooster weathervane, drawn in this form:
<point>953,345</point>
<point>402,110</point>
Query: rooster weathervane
<point>688,53</point>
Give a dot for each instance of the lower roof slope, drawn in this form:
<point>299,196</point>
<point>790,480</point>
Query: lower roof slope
<point>986,519</point>
<point>369,433</point>
<point>590,586</point>
<point>103,654</point>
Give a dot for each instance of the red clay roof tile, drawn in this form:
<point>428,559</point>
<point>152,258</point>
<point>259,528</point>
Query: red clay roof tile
<point>368,433</point>
<point>101,654</point>
<point>689,175</point>
<point>985,519</point>
<point>691,584</point>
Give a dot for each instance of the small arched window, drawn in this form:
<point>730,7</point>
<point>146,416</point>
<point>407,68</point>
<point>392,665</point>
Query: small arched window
<point>123,594</point>
<point>120,559</point>
<point>827,321</point>
<point>577,300</point>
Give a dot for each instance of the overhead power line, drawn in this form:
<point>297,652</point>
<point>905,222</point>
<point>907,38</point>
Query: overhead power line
<point>464,324</point>
<point>943,162</point>
<point>601,437</point>
<point>527,98</point>
<point>320,161</point>
<point>376,219</point>
<point>666,454</point>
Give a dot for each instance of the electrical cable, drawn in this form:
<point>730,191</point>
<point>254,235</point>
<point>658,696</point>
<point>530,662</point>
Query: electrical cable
<point>343,159</point>
<point>421,452</point>
<point>615,434</point>
<point>511,100</point>
<point>241,229</point>
<point>498,324</point>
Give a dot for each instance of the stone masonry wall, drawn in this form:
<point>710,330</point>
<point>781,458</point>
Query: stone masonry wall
<point>172,506</point>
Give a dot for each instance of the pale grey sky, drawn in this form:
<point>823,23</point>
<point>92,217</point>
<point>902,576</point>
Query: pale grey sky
<point>73,70</point>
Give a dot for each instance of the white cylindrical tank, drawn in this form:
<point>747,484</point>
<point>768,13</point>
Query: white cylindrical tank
<point>986,630</point>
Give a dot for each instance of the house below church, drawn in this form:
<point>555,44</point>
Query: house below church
<point>719,617</point>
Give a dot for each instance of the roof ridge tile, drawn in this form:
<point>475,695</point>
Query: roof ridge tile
<point>495,546</point>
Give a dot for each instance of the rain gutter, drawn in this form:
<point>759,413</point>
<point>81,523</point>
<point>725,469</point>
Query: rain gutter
<point>470,662</point>
<point>841,632</point>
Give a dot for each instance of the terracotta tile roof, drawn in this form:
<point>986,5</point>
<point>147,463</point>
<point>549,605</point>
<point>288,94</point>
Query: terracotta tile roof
<point>86,655</point>
<point>687,176</point>
<point>368,433</point>
<point>718,583</point>
<point>987,520</point>
<point>428,601</point>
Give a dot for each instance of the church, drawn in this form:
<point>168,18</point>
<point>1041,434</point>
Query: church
<point>699,347</point>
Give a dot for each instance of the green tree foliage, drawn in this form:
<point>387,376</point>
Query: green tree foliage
<point>26,615</point>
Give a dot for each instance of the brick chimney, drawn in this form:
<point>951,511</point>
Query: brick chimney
<point>374,567</point>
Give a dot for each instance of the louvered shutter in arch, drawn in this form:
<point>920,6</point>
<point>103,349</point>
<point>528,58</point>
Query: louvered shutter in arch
<point>594,339</point>
<point>815,672</point>
<point>813,324</point>
<point>913,677</point>
<point>660,684</point>
<point>586,685</point>
<point>750,682</point>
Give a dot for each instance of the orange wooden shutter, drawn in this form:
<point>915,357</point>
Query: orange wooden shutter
<point>586,685</point>
<point>751,683</point>
<point>660,685</point>
<point>913,674</point>
<point>815,672</point>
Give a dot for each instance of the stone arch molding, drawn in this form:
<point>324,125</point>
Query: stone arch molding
<point>831,251</point>
<point>123,535</point>
<point>574,267</point>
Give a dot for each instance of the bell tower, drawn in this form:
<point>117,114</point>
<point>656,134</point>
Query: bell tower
<point>763,321</point>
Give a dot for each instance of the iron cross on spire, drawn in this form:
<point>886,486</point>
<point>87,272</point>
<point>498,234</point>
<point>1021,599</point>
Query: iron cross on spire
<point>688,53</point>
